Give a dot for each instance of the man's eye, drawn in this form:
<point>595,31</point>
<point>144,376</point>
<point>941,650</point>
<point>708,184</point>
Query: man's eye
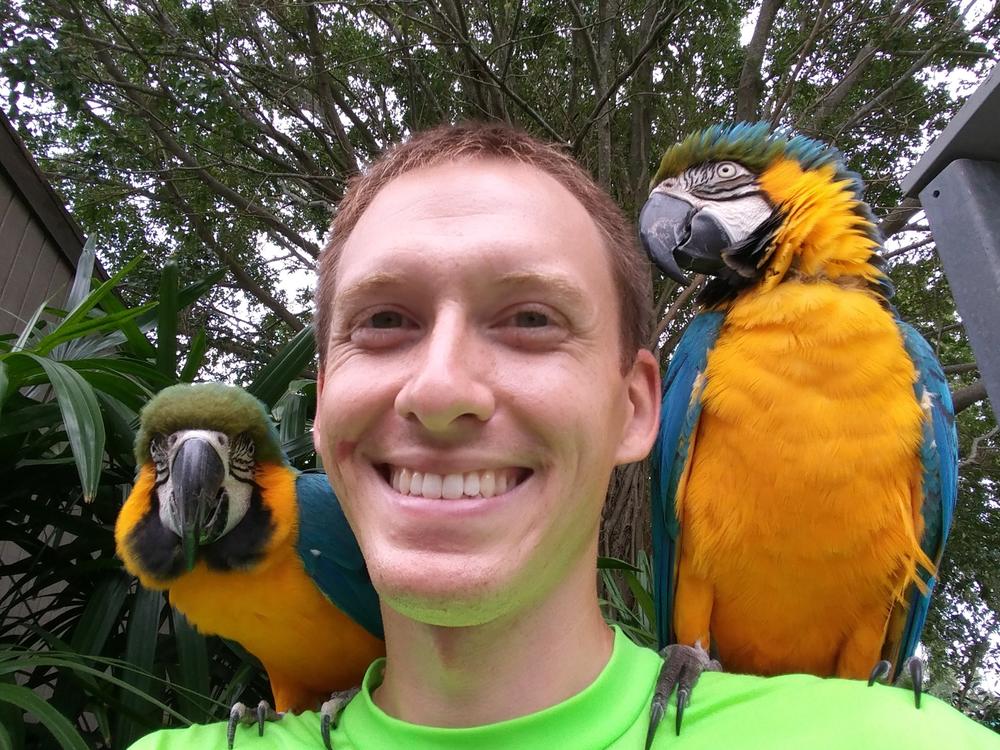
<point>386,319</point>
<point>531,319</point>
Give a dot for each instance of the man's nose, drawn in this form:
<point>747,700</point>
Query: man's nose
<point>447,380</point>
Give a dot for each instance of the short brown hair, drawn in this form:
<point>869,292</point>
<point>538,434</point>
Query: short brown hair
<point>478,140</point>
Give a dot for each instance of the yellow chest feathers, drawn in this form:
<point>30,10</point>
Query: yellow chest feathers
<point>809,418</point>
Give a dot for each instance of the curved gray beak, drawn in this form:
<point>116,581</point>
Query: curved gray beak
<point>196,474</point>
<point>676,234</point>
<point>663,224</point>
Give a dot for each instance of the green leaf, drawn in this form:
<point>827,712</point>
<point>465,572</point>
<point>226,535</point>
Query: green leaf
<point>118,420</point>
<point>272,381</point>
<point>192,655</point>
<point>84,273</point>
<point>613,563</point>
<point>82,418</point>
<point>29,418</point>
<point>80,312</point>
<point>6,743</point>
<point>140,652</point>
<point>195,358</point>
<point>293,417</point>
<point>89,327</point>
<point>299,447</point>
<point>144,373</point>
<point>60,728</point>
<point>641,595</point>
<point>71,662</point>
<point>166,328</point>
<point>185,296</point>
<point>138,344</point>
<point>25,337</point>
<point>100,615</point>
<point>4,382</point>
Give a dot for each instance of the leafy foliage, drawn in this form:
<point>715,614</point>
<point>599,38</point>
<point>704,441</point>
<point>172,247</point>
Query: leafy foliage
<point>111,659</point>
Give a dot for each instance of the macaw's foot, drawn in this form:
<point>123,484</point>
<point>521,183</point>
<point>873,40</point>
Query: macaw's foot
<point>682,666</point>
<point>330,713</point>
<point>240,714</point>
<point>913,672</point>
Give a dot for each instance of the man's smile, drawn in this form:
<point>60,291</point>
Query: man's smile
<point>482,483</point>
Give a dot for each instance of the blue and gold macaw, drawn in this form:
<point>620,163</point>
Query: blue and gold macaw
<point>804,478</point>
<point>247,547</point>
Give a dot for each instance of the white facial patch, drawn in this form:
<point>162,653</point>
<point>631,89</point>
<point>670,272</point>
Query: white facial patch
<point>237,487</point>
<point>739,216</point>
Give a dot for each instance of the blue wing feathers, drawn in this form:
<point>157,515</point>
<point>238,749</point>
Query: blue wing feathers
<point>939,459</point>
<point>331,554</point>
<point>679,414</point>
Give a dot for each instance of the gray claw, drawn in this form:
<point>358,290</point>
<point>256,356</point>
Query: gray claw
<point>655,715</point>
<point>236,714</point>
<point>330,713</point>
<point>915,668</point>
<point>880,670</point>
<point>683,694</point>
<point>265,713</point>
<point>240,714</point>
<point>682,666</point>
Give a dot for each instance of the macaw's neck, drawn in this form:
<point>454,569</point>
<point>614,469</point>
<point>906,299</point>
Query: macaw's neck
<point>826,234</point>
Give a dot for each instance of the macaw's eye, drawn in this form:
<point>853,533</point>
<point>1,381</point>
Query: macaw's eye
<point>726,169</point>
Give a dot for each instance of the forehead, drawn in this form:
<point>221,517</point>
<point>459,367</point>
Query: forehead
<point>501,213</point>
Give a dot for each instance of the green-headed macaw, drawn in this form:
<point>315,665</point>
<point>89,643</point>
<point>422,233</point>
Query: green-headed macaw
<point>247,547</point>
<point>804,477</point>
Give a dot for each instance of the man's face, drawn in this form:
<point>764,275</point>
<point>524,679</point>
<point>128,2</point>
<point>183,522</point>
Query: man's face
<point>472,403</point>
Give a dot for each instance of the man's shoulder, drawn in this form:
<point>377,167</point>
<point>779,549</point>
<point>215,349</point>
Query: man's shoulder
<point>291,732</point>
<point>803,711</point>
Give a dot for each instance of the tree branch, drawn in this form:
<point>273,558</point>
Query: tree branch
<point>646,48</point>
<point>236,268</point>
<point>696,283</point>
<point>751,83</point>
<point>965,397</point>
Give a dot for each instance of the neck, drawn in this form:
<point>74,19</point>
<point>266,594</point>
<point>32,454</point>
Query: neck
<point>512,666</point>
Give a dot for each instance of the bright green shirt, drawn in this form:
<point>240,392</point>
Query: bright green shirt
<point>727,711</point>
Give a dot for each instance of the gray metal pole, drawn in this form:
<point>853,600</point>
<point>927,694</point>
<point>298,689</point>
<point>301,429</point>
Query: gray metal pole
<point>962,204</point>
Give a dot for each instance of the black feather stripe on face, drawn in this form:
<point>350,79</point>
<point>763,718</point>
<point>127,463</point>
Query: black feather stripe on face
<point>158,550</point>
<point>745,263</point>
<point>245,543</point>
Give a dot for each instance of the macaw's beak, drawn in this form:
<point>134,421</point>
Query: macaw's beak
<point>676,234</point>
<point>196,475</point>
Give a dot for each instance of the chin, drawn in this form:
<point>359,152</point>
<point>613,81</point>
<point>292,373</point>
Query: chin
<point>445,590</point>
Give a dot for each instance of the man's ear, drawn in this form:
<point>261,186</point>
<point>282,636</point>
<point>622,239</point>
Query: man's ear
<point>317,426</point>
<point>639,433</point>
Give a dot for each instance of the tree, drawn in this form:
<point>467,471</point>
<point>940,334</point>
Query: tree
<point>225,132</point>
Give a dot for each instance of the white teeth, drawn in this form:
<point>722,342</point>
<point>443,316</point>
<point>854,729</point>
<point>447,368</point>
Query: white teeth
<point>452,486</point>
<point>487,483</point>
<point>432,486</point>
<point>472,484</point>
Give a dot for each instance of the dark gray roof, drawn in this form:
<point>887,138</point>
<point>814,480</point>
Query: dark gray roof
<point>973,133</point>
<point>46,204</point>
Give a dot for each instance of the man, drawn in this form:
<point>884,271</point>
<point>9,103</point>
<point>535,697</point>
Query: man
<point>482,314</point>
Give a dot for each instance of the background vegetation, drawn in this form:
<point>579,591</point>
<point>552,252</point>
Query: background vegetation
<point>220,135</point>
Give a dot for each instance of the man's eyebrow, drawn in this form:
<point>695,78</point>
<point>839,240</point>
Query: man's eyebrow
<point>562,285</point>
<point>366,286</point>
<point>559,284</point>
